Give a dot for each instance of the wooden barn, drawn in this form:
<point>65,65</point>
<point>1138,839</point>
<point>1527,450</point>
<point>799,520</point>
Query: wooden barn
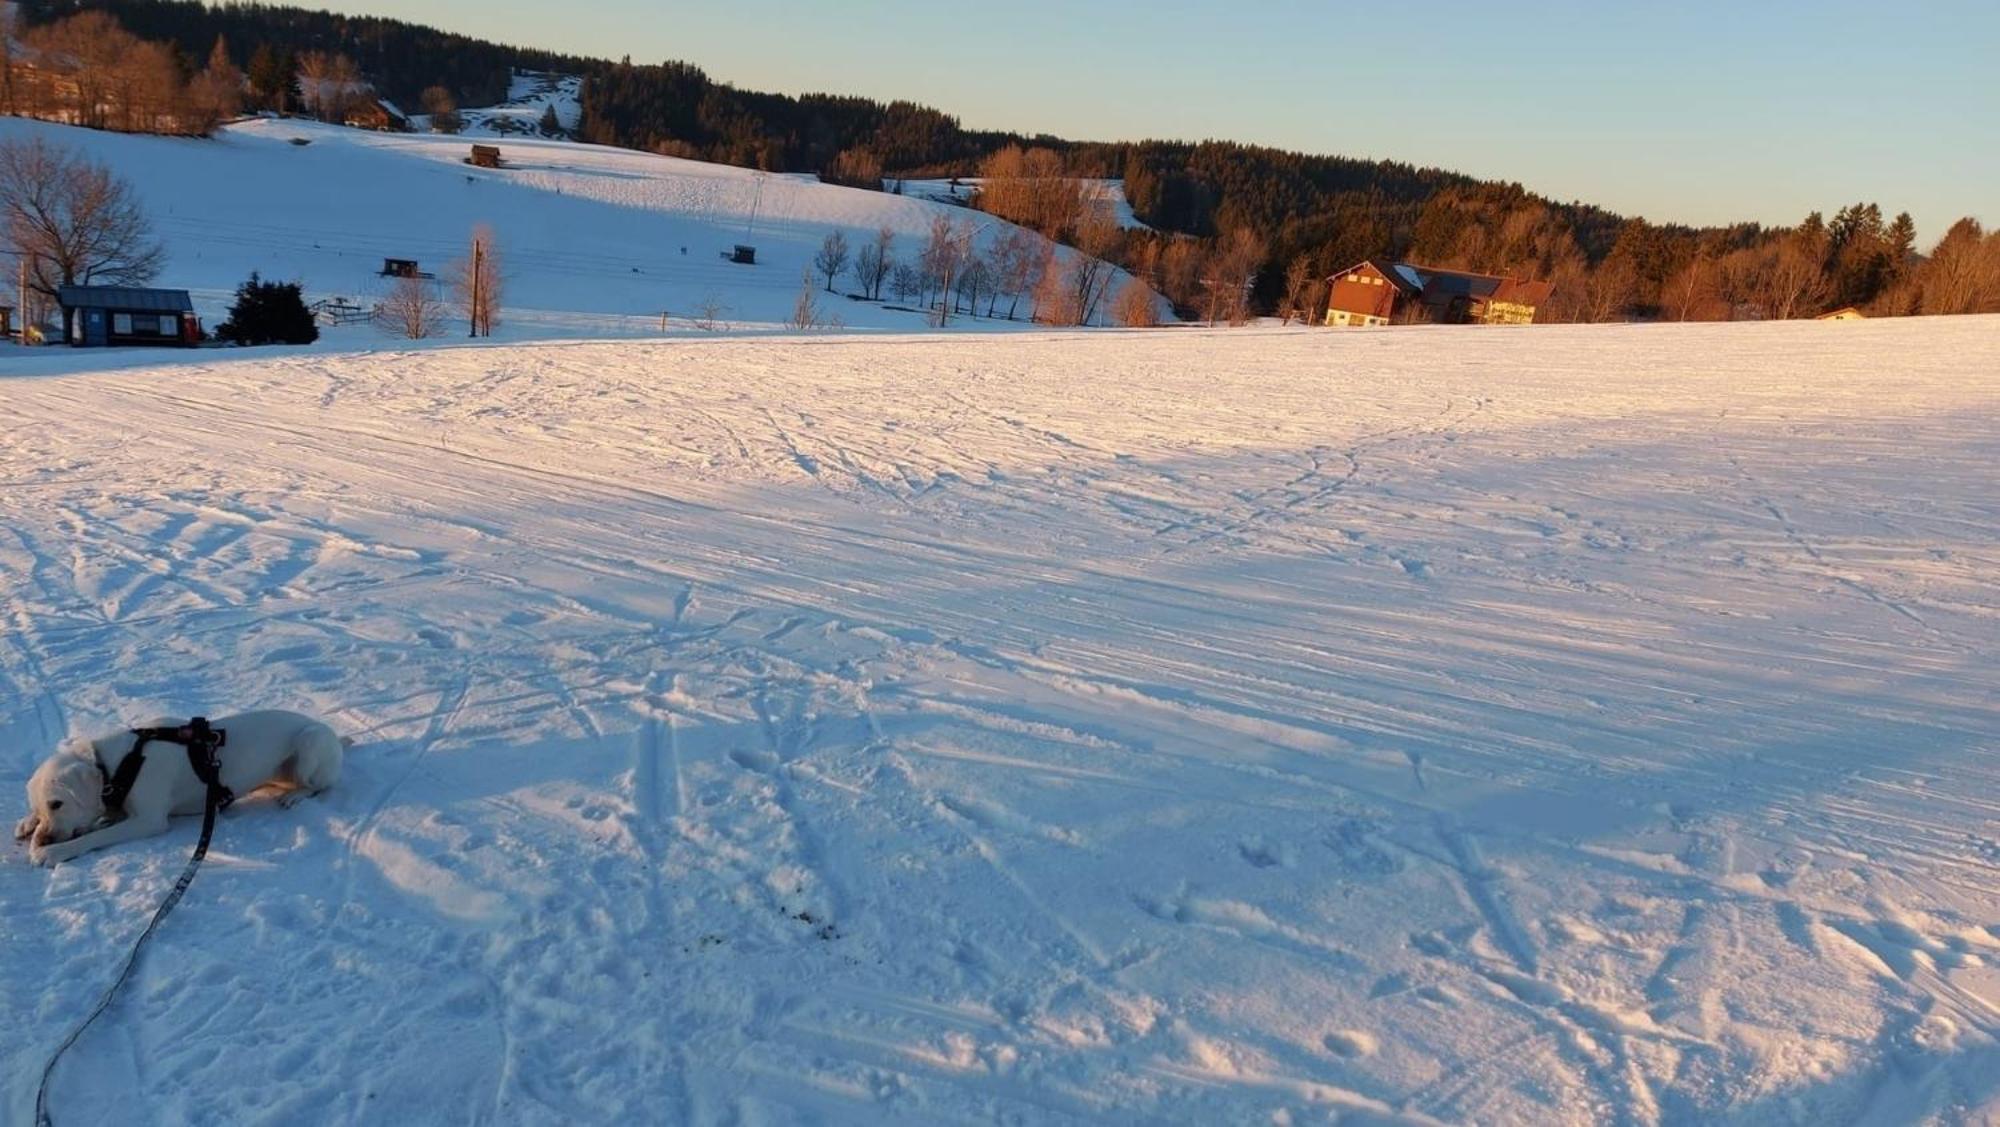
<point>128,315</point>
<point>376,113</point>
<point>485,156</point>
<point>1378,292</point>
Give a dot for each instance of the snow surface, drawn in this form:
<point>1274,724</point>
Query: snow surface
<point>1563,725</point>
<point>591,238</point>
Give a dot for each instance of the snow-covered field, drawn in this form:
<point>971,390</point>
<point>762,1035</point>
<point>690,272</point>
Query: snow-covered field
<point>593,241</point>
<point>1567,725</point>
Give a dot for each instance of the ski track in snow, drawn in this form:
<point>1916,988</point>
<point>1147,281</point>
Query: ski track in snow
<point>1560,726</point>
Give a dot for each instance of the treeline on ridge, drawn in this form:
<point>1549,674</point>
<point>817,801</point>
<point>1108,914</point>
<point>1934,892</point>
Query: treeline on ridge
<point>1291,217</point>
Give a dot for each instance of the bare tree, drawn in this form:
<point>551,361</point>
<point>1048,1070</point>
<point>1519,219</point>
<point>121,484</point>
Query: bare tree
<point>329,85</point>
<point>975,279</point>
<point>1017,261</point>
<point>1686,288</point>
<point>216,94</point>
<point>805,307</point>
<point>1136,306</point>
<point>475,283</point>
<point>1963,273</point>
<point>832,257</point>
<point>1298,276</point>
<point>442,109</point>
<point>1230,273</point>
<point>72,221</point>
<point>905,281</point>
<point>1181,273</point>
<point>873,262</point>
<point>315,69</point>
<point>709,313</point>
<point>412,309</point>
<point>946,251</point>
<point>1090,270</point>
<point>1609,289</point>
<point>1796,279</point>
<point>1054,295</point>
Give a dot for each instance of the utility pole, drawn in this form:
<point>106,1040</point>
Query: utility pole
<point>472,314</point>
<point>24,300</point>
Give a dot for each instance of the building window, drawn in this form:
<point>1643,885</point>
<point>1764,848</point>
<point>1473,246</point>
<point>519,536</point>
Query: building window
<point>170,326</point>
<point>121,323</point>
<point>1354,277</point>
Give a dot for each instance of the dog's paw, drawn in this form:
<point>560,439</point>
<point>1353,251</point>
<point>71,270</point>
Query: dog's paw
<point>43,855</point>
<point>25,828</point>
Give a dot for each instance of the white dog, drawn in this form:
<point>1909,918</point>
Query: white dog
<point>66,814</point>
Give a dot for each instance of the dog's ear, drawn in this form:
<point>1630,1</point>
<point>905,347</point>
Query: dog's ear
<point>77,748</point>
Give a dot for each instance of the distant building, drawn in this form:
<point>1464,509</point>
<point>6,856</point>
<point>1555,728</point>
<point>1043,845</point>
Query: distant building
<point>376,113</point>
<point>403,268</point>
<point>485,156</point>
<point>126,315</point>
<point>1844,313</point>
<point>1378,292</point>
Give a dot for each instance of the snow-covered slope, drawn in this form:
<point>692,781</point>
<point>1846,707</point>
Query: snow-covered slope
<point>1573,725</point>
<point>594,241</point>
<point>529,95</point>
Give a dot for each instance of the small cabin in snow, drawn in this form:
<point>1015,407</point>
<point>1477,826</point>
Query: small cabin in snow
<point>1844,313</point>
<point>403,268</point>
<point>127,315</point>
<point>485,156</point>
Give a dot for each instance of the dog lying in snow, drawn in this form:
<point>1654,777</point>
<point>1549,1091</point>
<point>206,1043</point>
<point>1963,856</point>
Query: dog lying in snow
<point>66,814</point>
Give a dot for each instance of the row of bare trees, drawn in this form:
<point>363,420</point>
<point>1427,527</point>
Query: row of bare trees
<point>87,70</point>
<point>330,86</point>
<point>955,271</point>
<point>1210,279</point>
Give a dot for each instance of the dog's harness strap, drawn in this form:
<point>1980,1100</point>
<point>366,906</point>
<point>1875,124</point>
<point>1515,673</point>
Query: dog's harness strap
<point>201,742</point>
<point>118,785</point>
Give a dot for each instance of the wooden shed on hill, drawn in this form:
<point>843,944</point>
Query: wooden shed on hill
<point>128,315</point>
<point>1844,313</point>
<point>484,156</point>
<point>1378,292</point>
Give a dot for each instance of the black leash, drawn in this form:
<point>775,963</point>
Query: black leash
<point>201,744</point>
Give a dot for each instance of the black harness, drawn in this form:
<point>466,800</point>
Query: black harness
<point>196,736</point>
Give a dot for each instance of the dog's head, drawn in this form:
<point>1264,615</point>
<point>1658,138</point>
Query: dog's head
<point>65,795</point>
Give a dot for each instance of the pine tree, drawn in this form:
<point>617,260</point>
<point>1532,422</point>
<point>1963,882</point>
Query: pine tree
<point>268,313</point>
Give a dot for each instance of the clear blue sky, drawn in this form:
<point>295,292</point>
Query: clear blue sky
<point>1694,111</point>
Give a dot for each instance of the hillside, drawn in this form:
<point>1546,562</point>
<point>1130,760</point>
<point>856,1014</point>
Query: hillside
<point>529,95</point>
<point>1572,726</point>
<point>594,240</point>
<point>1287,210</point>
